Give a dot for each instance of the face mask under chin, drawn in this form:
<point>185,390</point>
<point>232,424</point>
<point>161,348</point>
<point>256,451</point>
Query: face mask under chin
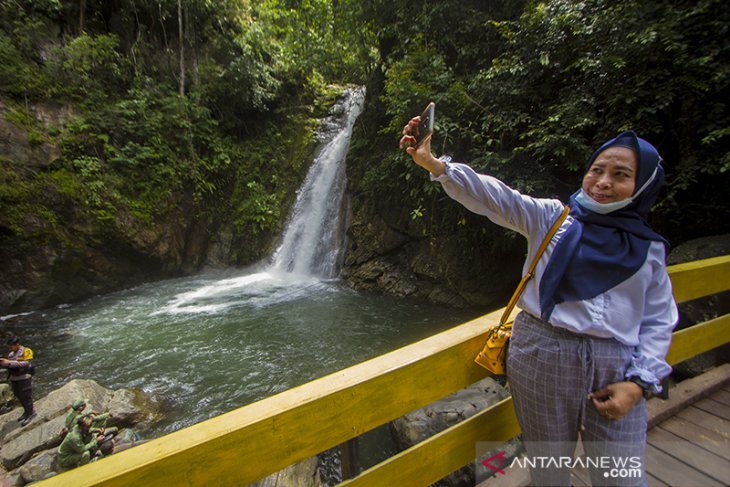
<point>604,208</point>
<point>601,208</point>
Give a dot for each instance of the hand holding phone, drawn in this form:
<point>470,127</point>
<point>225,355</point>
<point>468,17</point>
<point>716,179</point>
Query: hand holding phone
<point>425,127</point>
<point>419,129</point>
<point>416,132</point>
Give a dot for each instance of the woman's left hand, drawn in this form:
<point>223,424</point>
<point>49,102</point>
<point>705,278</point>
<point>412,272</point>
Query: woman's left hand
<point>615,400</point>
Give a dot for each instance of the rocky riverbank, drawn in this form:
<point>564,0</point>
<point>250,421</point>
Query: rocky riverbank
<point>28,454</point>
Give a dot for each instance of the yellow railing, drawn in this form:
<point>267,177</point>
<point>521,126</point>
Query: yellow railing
<point>251,442</point>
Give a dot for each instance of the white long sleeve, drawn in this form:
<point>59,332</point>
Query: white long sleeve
<point>638,312</point>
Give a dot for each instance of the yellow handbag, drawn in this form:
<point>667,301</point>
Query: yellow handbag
<point>493,356</point>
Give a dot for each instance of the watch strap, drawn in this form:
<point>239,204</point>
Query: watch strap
<point>646,388</point>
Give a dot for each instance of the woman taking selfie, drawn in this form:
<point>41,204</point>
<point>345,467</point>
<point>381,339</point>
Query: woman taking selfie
<point>590,342</point>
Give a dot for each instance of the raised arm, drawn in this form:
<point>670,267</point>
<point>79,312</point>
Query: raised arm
<point>483,194</point>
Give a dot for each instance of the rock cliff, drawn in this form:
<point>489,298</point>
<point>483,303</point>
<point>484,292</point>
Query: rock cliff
<point>385,255</point>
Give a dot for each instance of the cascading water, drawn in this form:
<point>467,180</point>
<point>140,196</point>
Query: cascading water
<point>312,242</point>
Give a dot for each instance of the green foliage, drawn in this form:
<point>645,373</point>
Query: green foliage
<point>21,34</point>
<point>575,74</point>
<point>267,174</point>
<point>319,39</point>
<point>18,116</point>
<point>88,66</point>
<point>35,138</point>
<point>18,77</point>
<point>241,78</point>
<point>24,203</point>
<point>259,210</point>
<point>526,92</point>
<point>427,55</point>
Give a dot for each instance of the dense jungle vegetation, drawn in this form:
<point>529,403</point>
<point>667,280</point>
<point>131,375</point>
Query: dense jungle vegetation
<point>137,116</point>
<point>527,91</point>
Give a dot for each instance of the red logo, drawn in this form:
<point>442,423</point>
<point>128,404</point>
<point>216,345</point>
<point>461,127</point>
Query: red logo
<point>498,469</point>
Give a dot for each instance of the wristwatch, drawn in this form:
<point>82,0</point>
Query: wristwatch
<point>647,389</point>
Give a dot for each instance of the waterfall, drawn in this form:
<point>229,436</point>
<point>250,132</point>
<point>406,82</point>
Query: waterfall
<point>312,241</point>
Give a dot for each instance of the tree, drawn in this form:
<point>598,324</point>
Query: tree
<point>181,42</point>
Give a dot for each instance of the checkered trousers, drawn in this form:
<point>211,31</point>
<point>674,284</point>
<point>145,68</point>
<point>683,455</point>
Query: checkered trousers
<point>551,371</point>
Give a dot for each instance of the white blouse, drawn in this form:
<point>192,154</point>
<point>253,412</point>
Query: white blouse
<point>639,312</point>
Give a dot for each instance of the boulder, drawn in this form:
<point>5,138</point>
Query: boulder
<point>125,439</point>
<point>12,479</point>
<point>29,440</point>
<point>9,421</point>
<point>423,423</point>
<point>700,248</point>
<point>44,464</point>
<point>132,407</point>
<point>300,474</point>
<point>55,404</point>
<point>379,275</point>
<point>6,396</point>
<point>41,466</point>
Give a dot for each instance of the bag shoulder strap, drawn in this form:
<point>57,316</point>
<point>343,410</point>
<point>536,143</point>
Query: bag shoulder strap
<point>523,283</point>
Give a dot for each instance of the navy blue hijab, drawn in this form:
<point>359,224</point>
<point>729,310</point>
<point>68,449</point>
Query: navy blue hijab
<point>597,252</point>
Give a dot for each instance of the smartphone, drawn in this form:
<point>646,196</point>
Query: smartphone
<point>425,128</point>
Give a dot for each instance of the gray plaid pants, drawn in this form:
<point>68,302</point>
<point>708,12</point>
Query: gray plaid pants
<point>551,371</point>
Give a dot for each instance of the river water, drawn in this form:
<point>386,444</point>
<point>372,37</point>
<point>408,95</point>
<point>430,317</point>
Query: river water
<point>210,343</point>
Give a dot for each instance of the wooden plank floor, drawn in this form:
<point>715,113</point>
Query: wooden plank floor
<point>691,448</point>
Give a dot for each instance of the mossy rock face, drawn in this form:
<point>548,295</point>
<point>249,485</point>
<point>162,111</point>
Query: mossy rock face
<point>387,254</point>
<point>24,137</point>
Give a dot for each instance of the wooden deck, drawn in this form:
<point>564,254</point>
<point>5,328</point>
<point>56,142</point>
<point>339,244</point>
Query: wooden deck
<point>688,440</point>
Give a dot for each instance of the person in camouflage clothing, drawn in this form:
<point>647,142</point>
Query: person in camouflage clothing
<point>81,407</point>
<point>79,447</point>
